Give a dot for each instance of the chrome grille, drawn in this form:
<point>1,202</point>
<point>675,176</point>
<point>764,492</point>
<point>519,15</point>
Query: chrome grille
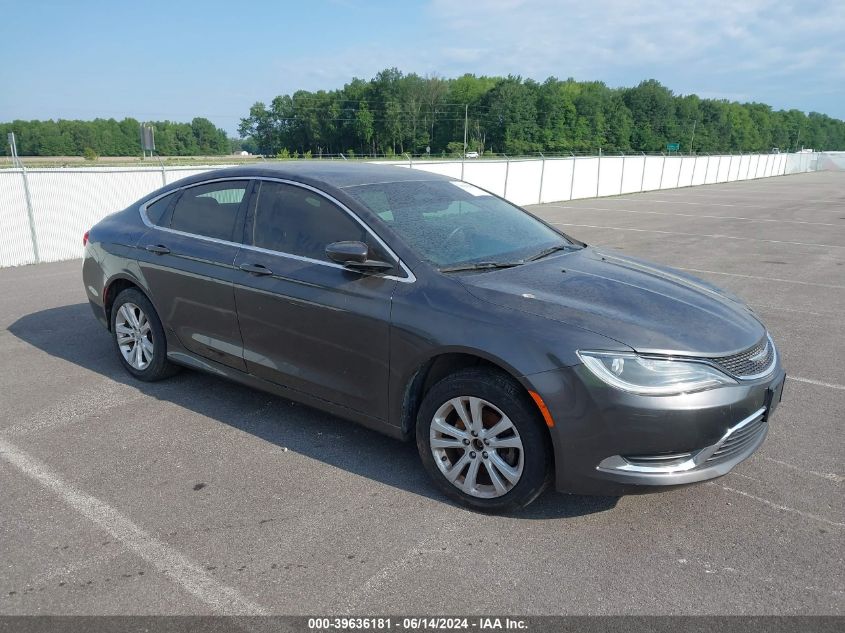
<point>740,439</point>
<point>752,362</point>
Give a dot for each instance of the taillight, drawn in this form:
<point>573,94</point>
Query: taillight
<point>85,238</point>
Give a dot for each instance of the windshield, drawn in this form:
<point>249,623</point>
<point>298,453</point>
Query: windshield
<point>451,223</point>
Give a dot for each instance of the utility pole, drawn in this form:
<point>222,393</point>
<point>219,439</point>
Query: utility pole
<point>466,121</point>
<point>16,162</point>
<point>598,175</point>
<point>692,139</point>
<point>14,147</point>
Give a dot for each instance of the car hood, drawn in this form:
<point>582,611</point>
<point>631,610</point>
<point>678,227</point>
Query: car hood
<point>650,308</point>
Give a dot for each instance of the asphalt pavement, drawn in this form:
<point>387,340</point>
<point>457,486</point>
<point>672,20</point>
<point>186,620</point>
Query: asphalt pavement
<point>197,496</point>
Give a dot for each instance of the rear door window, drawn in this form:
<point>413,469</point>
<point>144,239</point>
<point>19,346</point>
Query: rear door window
<point>210,210</point>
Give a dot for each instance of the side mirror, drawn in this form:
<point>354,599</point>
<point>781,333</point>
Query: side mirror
<point>355,255</point>
<point>346,252</point>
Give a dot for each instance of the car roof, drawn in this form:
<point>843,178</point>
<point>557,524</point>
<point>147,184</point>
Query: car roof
<point>338,174</point>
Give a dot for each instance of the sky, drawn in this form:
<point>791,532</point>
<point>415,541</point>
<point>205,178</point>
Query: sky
<point>175,60</point>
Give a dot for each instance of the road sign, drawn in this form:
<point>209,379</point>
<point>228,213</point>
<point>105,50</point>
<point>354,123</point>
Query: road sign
<point>148,142</point>
<point>673,147</point>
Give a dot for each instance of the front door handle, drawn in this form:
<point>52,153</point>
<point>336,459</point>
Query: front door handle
<point>256,269</point>
<point>158,249</point>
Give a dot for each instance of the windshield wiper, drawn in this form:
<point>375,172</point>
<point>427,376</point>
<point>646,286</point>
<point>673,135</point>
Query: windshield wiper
<point>519,262</point>
<point>549,251</point>
<point>479,266</point>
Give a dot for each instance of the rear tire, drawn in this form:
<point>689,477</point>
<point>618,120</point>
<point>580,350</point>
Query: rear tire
<point>139,337</point>
<point>483,442</point>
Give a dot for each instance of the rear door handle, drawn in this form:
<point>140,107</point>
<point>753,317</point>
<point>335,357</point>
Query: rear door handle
<point>256,269</point>
<point>158,249</point>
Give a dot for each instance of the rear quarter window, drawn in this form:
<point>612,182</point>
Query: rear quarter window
<point>156,210</point>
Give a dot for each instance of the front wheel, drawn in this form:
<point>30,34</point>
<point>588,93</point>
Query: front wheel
<point>482,441</point>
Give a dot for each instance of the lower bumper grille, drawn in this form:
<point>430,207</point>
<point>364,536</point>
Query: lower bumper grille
<point>739,439</point>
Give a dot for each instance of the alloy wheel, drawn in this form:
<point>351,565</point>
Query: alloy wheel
<point>134,336</point>
<point>476,447</point>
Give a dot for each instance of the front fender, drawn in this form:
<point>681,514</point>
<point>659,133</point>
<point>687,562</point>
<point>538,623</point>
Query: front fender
<point>426,324</point>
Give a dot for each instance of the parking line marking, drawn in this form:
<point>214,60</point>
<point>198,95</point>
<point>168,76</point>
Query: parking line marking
<point>764,306</point>
<point>68,569</point>
<point>829,476</point>
<point>703,204</point>
<point>778,204</point>
<point>777,506</point>
<point>388,574</point>
<point>385,575</point>
<point>695,215</point>
<point>715,236</point>
<point>706,194</point>
<point>818,383</point>
<point>777,199</point>
<point>176,566</point>
<point>106,395</point>
<point>785,281</point>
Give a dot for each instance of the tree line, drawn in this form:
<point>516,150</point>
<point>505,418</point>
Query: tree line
<point>396,113</point>
<point>109,137</point>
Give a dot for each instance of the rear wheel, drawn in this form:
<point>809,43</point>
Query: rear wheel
<point>139,337</point>
<point>482,441</point>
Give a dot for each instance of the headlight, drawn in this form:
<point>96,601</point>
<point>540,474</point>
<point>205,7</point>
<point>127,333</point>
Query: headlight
<point>652,376</point>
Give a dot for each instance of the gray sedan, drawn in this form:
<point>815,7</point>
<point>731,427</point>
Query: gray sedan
<point>431,310</point>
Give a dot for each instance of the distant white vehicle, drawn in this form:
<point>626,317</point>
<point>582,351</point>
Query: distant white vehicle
<point>471,154</point>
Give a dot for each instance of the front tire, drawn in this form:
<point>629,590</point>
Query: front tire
<point>139,337</point>
<point>482,441</point>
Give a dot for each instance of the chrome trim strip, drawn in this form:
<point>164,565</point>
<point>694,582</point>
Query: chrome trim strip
<point>409,279</point>
<point>617,463</point>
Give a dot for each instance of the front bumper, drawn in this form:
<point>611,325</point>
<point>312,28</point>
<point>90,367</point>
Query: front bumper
<point>610,442</point>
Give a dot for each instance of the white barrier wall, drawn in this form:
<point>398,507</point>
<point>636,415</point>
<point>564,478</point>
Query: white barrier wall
<point>529,181</point>
<point>64,203</point>
<point>833,161</point>
<point>15,238</point>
